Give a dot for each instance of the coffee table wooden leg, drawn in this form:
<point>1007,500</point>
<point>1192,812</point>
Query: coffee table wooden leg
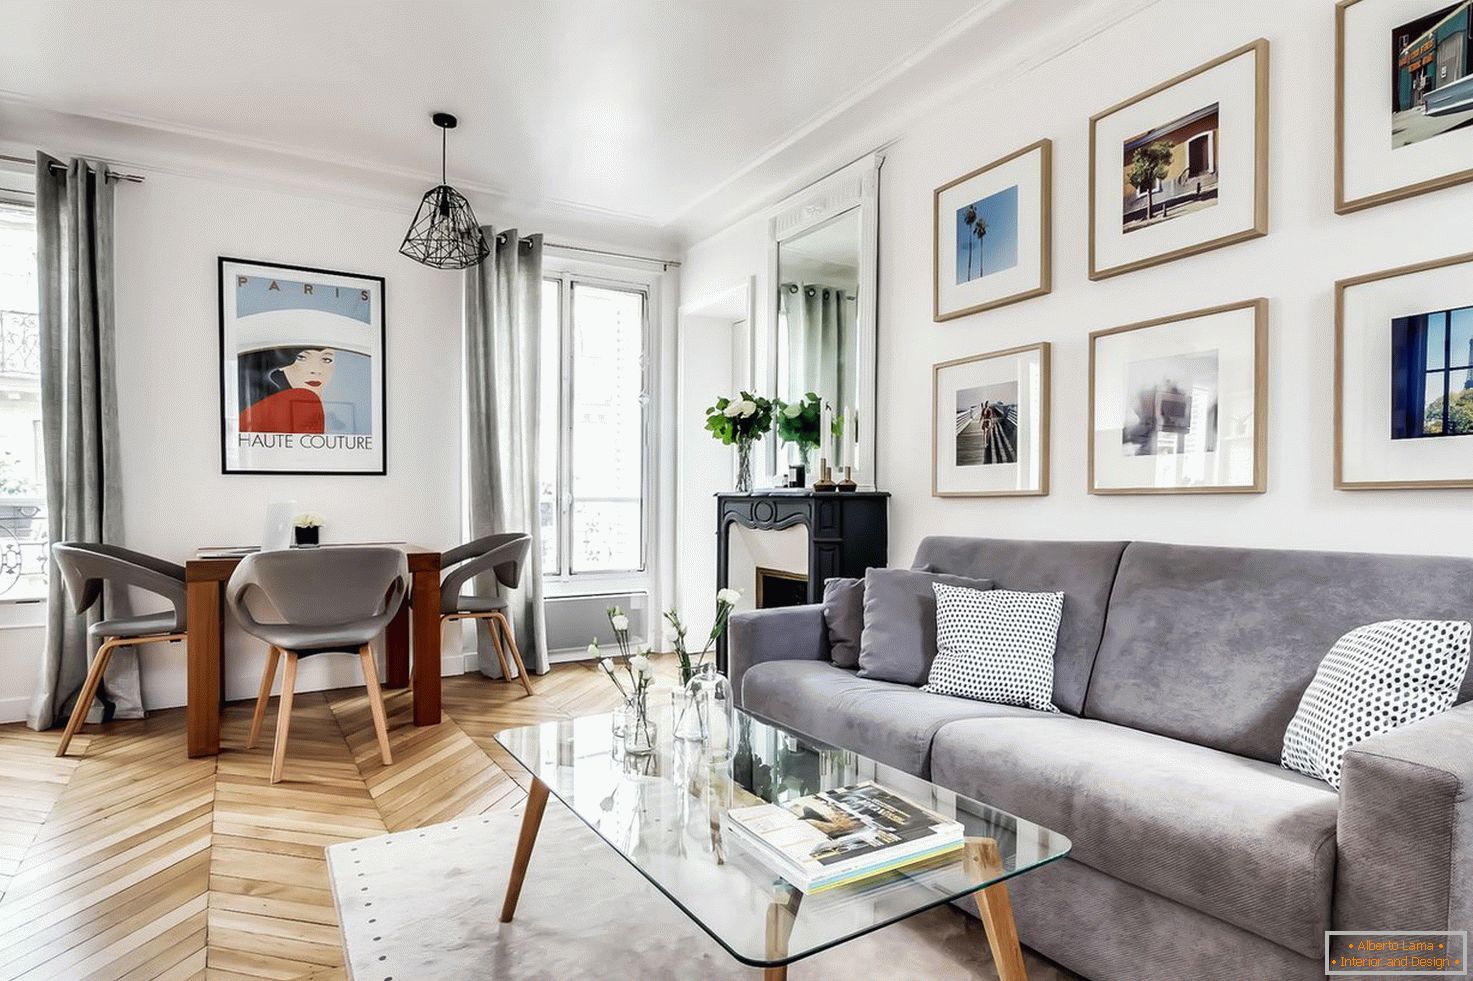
<point>781,915</point>
<point>531,821</point>
<point>984,861</point>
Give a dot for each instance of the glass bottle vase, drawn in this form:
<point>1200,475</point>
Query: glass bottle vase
<point>703,712</point>
<point>635,726</point>
<point>744,467</point>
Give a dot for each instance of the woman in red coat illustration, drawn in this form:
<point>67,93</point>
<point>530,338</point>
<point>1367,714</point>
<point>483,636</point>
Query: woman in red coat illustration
<point>288,390</point>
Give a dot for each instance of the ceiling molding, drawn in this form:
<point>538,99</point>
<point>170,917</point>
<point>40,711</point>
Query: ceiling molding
<point>806,156</point>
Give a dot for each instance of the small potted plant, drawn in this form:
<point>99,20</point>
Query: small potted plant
<point>740,422</point>
<point>801,423</point>
<point>308,529</point>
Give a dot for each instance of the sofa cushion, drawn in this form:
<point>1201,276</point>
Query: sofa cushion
<point>1247,842</point>
<point>899,638</point>
<point>995,645</point>
<point>1083,571</point>
<point>1217,645</point>
<point>887,722</point>
<point>843,617</point>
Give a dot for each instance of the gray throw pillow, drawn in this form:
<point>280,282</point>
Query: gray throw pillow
<point>899,639</point>
<point>843,614</point>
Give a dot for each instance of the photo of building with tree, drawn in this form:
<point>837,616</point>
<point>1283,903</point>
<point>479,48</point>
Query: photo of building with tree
<point>1171,170</point>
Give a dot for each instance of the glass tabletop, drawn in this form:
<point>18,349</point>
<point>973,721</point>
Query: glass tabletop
<point>663,813</point>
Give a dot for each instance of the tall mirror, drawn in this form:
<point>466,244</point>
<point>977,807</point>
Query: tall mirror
<point>823,334</point>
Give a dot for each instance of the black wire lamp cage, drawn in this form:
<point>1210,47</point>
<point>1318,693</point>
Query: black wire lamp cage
<point>445,233</point>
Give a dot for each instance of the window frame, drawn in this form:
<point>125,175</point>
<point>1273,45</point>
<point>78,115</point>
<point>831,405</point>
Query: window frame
<point>567,274</point>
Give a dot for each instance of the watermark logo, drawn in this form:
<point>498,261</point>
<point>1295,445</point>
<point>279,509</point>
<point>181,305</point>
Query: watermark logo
<point>1404,952</point>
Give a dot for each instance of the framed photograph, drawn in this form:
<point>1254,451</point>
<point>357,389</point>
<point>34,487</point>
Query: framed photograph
<point>1179,405</point>
<point>1404,377</point>
<point>1182,168</point>
<point>991,241</point>
<point>1403,99</point>
<point>301,370</point>
<point>990,424</point>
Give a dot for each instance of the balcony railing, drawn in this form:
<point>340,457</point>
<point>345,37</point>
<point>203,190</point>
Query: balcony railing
<point>20,344</point>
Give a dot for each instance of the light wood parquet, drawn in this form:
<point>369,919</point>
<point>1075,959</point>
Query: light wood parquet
<point>128,860</point>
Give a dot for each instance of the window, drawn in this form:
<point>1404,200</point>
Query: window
<point>23,533</point>
<point>593,458</point>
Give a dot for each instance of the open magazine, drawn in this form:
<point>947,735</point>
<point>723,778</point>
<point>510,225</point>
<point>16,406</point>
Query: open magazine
<point>842,835</point>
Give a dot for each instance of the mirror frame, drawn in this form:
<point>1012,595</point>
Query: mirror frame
<point>855,186</point>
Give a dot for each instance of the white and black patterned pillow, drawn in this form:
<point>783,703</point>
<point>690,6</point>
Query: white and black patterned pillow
<point>1374,679</point>
<point>996,645</point>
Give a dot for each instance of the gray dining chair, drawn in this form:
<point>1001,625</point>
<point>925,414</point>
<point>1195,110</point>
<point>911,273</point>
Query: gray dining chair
<point>84,568</point>
<point>503,554</point>
<point>330,600</point>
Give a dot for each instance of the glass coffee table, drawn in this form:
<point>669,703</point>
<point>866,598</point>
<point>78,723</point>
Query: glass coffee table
<point>662,814</point>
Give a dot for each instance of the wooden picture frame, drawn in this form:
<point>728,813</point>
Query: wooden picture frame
<point>1037,483</point>
<point>1344,203</point>
<point>1257,227</point>
<point>1033,284</point>
<point>1259,482</point>
<point>1342,287</point>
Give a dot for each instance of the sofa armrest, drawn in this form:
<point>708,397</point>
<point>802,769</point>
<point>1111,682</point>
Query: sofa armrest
<point>784,633</point>
<point>1405,828</point>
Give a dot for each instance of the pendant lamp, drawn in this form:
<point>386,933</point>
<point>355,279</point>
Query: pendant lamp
<point>445,233</point>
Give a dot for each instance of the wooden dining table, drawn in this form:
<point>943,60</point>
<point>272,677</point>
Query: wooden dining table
<point>205,580</point>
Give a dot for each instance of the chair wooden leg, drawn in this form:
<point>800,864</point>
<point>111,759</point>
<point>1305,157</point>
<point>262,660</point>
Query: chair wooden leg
<point>496,644</point>
<point>284,716</point>
<point>88,692</point>
<point>511,642</point>
<point>376,703</point>
<point>273,656</point>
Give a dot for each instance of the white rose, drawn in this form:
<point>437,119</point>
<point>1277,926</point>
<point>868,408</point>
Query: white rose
<point>748,408</point>
<point>593,649</point>
<point>640,665</point>
<point>620,621</point>
<point>728,596</point>
<point>733,409</point>
<point>607,663</point>
<point>794,410</point>
<point>671,635</point>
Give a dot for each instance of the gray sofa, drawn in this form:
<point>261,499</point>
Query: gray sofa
<point>1177,670</point>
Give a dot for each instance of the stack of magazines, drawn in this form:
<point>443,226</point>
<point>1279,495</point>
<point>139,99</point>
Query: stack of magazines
<point>842,835</point>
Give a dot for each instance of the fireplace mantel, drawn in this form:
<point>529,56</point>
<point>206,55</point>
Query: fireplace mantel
<point>847,533</point>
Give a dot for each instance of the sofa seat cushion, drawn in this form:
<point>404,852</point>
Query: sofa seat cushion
<point>885,721</point>
<point>1238,839</point>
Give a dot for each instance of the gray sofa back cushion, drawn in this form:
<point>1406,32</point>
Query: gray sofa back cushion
<point>1217,645</point>
<point>1083,571</point>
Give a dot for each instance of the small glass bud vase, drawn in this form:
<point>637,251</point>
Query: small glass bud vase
<point>632,722</point>
<point>707,712</point>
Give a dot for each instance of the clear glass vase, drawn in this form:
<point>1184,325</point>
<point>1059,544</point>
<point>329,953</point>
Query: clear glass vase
<point>703,712</point>
<point>633,725</point>
<point>744,467</point>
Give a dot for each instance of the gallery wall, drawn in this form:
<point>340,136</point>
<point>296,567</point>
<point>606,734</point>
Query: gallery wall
<point>1295,266</point>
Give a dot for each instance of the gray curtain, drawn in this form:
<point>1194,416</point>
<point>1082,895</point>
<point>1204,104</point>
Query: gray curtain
<point>79,422</point>
<point>820,338</point>
<point>503,317</point>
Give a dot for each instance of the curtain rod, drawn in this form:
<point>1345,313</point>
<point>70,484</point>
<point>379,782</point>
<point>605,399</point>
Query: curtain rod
<point>59,168</point>
<point>665,263</point>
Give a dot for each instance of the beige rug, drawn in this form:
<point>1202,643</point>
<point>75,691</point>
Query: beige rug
<point>424,903</point>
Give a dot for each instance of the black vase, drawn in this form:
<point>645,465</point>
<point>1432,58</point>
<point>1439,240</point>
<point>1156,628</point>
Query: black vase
<point>307,537</point>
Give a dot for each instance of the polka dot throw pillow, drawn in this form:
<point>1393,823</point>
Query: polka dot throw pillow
<point>996,645</point>
<point>1375,679</point>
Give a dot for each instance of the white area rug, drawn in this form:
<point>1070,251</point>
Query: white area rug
<point>423,904</point>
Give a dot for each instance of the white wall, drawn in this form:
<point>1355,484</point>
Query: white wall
<point>1295,266</point>
<point>170,230</point>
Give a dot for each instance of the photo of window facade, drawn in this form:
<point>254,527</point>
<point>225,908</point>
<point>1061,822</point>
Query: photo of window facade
<point>1432,90</point>
<point>1171,170</point>
<point>1432,374</point>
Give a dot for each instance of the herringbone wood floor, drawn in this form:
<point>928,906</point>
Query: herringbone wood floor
<point>128,860</point>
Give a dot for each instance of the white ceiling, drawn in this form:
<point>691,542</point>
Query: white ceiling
<point>639,111</point>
